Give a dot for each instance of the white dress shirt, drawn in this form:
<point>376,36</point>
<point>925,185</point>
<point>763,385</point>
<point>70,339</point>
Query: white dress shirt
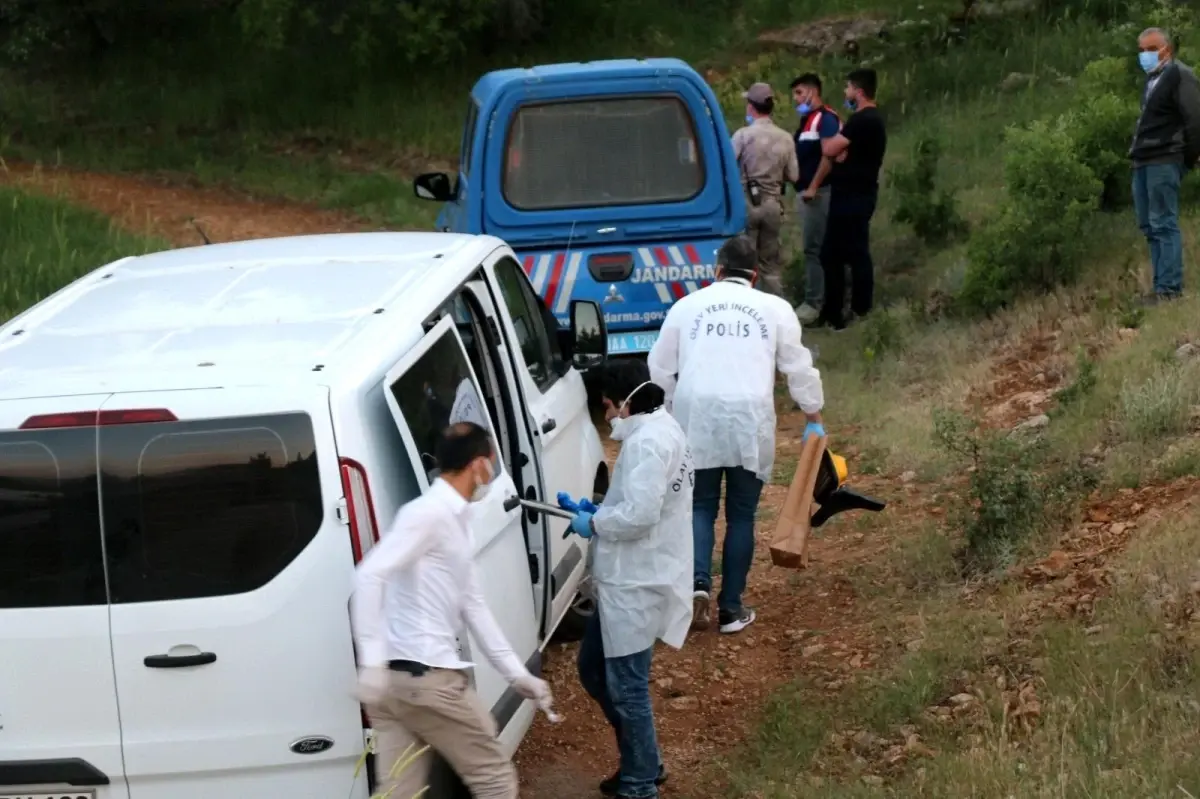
<point>417,588</point>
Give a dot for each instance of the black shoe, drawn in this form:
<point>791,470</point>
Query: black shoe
<point>612,785</point>
<point>736,622</point>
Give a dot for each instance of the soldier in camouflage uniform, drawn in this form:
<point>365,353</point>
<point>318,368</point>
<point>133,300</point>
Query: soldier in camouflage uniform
<point>766,156</point>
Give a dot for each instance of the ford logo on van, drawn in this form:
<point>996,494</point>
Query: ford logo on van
<point>312,745</point>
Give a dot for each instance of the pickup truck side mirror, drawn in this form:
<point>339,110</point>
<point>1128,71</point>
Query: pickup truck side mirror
<point>589,335</point>
<point>435,186</point>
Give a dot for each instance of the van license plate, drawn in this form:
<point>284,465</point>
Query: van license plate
<point>6,793</point>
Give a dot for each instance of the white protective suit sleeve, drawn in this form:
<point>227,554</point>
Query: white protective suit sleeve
<point>663,359</point>
<point>795,362</point>
<point>645,487</point>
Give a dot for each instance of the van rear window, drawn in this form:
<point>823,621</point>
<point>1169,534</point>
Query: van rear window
<point>190,509</point>
<point>595,153</point>
<point>50,550</point>
<point>207,508</point>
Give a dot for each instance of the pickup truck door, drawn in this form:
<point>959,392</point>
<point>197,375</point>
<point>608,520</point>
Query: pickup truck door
<point>556,403</point>
<point>432,386</point>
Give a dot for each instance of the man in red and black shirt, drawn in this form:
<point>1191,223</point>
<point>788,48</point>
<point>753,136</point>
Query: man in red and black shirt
<point>818,122</point>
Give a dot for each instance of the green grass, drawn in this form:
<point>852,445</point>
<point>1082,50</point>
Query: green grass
<point>47,243</point>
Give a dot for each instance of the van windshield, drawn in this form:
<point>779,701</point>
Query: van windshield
<point>606,152</point>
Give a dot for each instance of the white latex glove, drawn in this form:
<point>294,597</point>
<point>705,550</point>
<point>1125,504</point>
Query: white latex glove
<point>531,687</point>
<point>372,684</point>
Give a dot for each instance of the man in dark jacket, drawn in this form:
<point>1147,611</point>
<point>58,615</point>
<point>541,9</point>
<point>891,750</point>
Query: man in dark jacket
<point>1166,143</point>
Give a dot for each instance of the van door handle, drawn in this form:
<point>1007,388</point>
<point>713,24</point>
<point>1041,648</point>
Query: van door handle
<point>179,661</point>
<point>549,425</point>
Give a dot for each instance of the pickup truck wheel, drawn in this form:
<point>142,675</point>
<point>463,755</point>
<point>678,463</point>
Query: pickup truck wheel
<point>576,620</point>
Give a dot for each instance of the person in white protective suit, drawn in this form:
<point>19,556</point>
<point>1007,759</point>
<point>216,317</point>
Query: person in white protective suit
<point>716,359</point>
<point>641,561</point>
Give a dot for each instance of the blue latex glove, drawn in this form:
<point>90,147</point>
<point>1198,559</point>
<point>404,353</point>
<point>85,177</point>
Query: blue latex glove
<point>814,429</point>
<point>566,503</point>
<point>581,525</point>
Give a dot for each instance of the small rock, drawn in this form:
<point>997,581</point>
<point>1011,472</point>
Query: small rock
<point>1127,333</point>
<point>872,780</point>
<point>962,699</point>
<point>1033,423</point>
<point>1187,352</point>
<point>1016,80</point>
<point>684,703</point>
<point>1094,630</point>
<point>914,645</point>
<point>813,649</point>
<point>908,477</point>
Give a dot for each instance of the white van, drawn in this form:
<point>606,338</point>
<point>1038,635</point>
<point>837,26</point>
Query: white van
<point>195,448</point>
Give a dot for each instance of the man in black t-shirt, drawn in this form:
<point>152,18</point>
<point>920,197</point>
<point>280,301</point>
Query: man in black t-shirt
<point>858,156</point>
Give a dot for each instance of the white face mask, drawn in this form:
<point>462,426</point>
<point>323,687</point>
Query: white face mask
<point>620,424</point>
<point>481,489</point>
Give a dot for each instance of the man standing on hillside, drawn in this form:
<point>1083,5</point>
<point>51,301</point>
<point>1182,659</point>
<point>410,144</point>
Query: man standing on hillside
<point>857,153</point>
<point>766,158</point>
<point>818,122</point>
<point>1166,143</point>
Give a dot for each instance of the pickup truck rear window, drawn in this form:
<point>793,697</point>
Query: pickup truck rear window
<point>602,152</point>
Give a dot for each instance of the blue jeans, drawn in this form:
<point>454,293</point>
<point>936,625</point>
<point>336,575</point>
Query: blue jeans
<point>742,490</point>
<point>621,686</point>
<point>1156,201</point>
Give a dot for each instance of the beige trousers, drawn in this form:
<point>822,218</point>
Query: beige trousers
<point>441,710</point>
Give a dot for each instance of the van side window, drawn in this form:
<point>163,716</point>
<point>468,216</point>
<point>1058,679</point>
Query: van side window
<point>50,546</point>
<point>207,508</point>
<point>436,392</point>
<point>537,332</point>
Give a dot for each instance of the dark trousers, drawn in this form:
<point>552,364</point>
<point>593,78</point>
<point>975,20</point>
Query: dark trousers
<point>742,492</point>
<point>621,686</point>
<point>848,243</point>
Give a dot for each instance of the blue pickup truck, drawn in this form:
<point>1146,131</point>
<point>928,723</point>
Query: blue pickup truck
<point>615,181</point>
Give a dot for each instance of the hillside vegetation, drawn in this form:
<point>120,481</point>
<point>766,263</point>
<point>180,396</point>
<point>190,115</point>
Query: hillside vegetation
<point>1033,589</point>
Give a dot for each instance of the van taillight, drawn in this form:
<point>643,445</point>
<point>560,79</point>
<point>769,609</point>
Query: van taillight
<point>50,421</point>
<point>364,528</point>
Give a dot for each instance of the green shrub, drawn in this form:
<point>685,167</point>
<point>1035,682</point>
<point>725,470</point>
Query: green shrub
<point>932,212</point>
<point>1014,491</point>
<point>1159,406</point>
<point>1036,242</point>
<point>1101,127</point>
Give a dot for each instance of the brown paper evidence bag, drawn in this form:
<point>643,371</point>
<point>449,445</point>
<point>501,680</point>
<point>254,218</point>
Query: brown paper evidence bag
<point>818,481</point>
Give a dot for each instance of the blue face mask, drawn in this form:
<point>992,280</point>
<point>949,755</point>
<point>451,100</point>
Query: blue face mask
<point>1148,60</point>
<point>749,119</point>
<point>852,104</point>
<point>803,109</point>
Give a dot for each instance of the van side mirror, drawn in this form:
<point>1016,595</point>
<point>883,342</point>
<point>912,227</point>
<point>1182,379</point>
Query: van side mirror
<point>435,186</point>
<point>589,335</point>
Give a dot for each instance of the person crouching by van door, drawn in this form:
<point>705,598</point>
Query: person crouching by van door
<point>716,357</point>
<point>641,562</point>
<point>414,593</point>
<point>766,157</point>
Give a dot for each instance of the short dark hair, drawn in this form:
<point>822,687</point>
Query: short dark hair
<point>866,79</point>
<point>620,377</point>
<point>765,107</point>
<point>738,257</point>
<point>808,79</point>
<point>460,444</point>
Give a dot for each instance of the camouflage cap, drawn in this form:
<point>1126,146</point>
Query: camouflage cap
<point>759,93</point>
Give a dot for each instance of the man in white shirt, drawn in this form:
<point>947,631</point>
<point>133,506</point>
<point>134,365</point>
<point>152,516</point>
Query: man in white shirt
<point>414,593</point>
<point>716,359</point>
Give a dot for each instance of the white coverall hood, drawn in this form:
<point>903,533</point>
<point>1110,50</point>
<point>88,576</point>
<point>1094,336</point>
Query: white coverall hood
<point>641,556</point>
<point>716,359</point>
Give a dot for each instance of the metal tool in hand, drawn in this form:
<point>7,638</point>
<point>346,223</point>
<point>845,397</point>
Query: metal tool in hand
<point>540,507</point>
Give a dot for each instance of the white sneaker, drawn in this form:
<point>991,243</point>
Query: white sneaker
<point>807,314</point>
<point>736,622</point>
